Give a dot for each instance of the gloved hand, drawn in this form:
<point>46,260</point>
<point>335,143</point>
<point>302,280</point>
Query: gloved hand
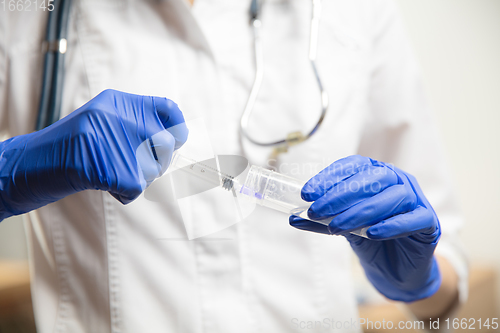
<point>117,142</point>
<point>359,192</point>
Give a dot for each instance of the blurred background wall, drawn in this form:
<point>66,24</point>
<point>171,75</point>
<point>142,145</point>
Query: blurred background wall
<point>12,240</point>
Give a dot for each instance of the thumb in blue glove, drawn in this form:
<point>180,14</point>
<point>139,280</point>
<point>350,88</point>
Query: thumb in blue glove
<point>117,142</point>
<point>357,192</point>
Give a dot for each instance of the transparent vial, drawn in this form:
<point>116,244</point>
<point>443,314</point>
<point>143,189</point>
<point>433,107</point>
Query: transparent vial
<point>282,193</point>
<point>262,186</point>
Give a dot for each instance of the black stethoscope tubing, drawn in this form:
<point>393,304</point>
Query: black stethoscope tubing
<point>55,45</point>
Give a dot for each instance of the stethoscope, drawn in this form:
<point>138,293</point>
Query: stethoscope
<point>296,137</point>
<point>55,47</point>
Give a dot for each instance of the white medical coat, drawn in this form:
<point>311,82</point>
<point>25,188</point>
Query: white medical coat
<point>99,266</point>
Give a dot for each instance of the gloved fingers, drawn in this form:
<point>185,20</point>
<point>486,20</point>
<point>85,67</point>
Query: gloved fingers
<point>302,224</point>
<point>154,156</point>
<point>391,201</point>
<point>351,191</point>
<point>129,190</point>
<point>162,147</point>
<point>421,220</point>
<point>125,198</point>
<point>137,113</point>
<point>172,119</point>
<point>360,243</point>
<point>422,200</point>
<point>318,185</point>
<point>117,99</point>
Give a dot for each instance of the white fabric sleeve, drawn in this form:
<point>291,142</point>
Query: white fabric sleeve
<point>400,129</point>
<point>3,74</point>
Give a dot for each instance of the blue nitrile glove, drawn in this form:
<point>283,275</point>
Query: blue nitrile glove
<point>359,192</point>
<point>104,145</point>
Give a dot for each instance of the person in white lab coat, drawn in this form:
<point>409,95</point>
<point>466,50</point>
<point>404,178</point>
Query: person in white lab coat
<point>100,266</point>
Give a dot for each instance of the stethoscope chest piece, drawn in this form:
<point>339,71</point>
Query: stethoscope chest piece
<point>295,137</point>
